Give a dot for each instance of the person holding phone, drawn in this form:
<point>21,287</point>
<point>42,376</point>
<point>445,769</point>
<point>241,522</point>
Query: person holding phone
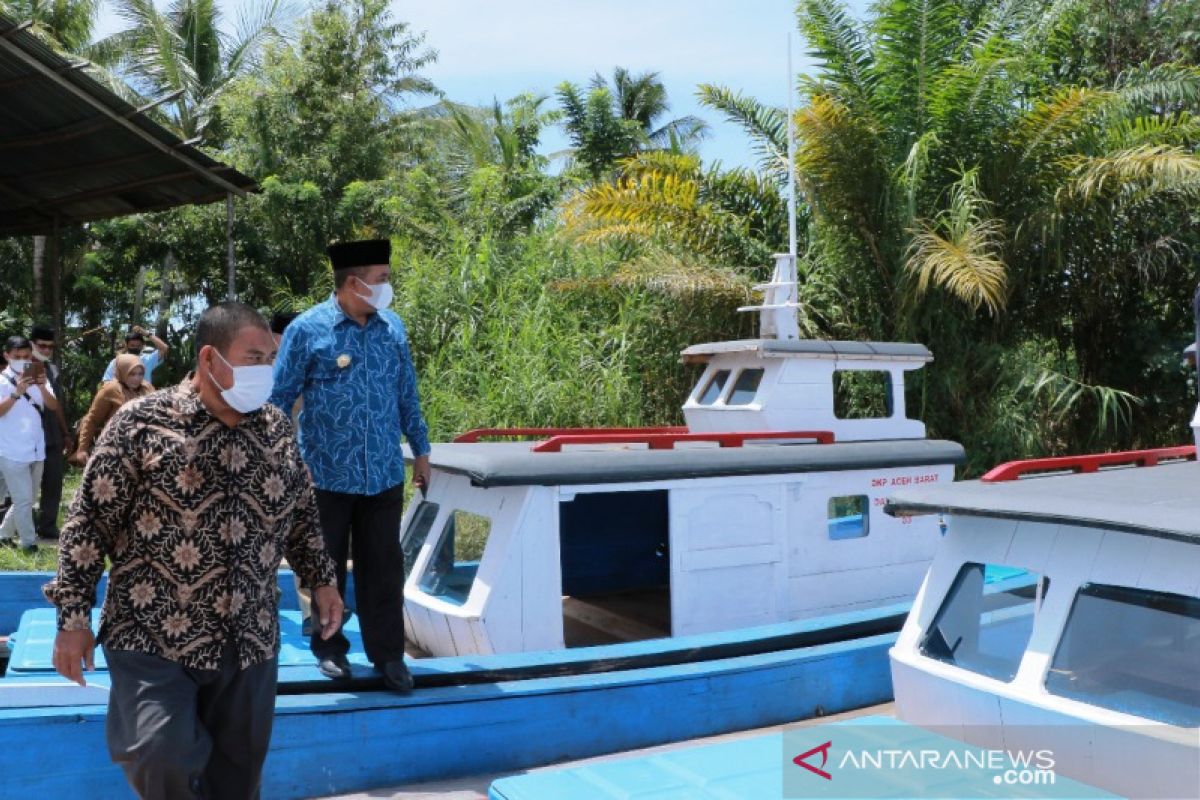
<point>135,344</point>
<point>25,396</point>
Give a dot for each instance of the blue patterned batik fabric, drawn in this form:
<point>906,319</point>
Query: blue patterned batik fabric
<point>360,393</point>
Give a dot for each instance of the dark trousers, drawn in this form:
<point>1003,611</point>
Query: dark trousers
<point>182,734</point>
<point>366,528</point>
<point>52,488</point>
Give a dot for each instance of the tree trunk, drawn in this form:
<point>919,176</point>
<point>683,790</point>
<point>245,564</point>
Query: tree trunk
<point>139,294</point>
<point>164,297</point>
<point>38,301</point>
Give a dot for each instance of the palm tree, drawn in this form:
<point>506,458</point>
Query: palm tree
<point>183,53</point>
<point>729,216</point>
<point>610,122</point>
<point>968,198</point>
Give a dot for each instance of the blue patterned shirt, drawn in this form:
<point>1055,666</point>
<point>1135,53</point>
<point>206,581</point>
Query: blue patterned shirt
<point>360,393</point>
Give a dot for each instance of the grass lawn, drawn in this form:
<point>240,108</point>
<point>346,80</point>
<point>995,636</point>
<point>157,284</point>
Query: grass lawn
<point>46,558</point>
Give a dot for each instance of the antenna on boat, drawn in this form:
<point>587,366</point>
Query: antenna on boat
<point>791,154</point>
<point>778,312</point>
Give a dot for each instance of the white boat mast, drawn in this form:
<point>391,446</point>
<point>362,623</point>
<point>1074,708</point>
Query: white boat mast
<point>778,312</point>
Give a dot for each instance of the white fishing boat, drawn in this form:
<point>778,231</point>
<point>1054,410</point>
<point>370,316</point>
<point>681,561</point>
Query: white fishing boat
<point>1053,651</point>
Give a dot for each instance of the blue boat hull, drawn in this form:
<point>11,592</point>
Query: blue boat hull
<point>465,718</point>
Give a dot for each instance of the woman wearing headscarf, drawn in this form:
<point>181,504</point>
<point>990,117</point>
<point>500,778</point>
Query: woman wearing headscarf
<point>129,384</point>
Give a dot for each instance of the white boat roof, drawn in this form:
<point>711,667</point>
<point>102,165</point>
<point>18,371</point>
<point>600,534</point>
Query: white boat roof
<point>515,464</point>
<point>814,348</point>
<point>1161,501</point>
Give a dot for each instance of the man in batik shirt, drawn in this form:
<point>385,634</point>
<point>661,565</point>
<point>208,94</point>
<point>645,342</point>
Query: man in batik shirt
<point>349,359</point>
<point>194,494</point>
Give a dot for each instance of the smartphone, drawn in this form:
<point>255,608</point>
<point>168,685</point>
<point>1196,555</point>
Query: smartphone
<point>35,371</point>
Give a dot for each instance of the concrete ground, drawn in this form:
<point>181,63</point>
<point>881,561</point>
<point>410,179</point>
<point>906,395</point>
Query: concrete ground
<point>476,787</point>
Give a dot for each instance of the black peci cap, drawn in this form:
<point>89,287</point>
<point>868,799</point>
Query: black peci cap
<point>363,253</point>
<point>42,333</point>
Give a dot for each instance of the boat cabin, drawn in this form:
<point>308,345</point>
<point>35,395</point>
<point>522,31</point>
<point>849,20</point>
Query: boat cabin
<point>1089,643</point>
<point>766,508</point>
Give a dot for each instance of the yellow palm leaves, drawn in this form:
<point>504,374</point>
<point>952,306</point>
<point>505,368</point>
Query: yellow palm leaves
<point>959,251</point>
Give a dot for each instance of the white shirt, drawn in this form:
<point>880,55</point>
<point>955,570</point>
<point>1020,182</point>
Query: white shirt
<point>21,436</point>
<point>150,360</point>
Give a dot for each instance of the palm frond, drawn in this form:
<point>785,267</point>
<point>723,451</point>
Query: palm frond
<point>1163,88</point>
<point>1065,114</point>
<point>765,125</point>
<point>844,50</point>
<point>1066,397</point>
<point>1139,172</point>
<point>960,250</point>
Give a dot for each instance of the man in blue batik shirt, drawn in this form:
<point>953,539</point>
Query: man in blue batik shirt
<point>348,358</point>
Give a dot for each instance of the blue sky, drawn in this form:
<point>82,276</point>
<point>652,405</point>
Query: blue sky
<point>499,48</point>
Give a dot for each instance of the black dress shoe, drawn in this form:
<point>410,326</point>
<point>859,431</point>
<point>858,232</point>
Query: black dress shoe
<point>29,549</point>
<point>336,667</point>
<point>396,676</point>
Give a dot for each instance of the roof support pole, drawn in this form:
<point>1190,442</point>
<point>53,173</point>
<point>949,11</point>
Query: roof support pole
<point>56,281</point>
<point>230,293</point>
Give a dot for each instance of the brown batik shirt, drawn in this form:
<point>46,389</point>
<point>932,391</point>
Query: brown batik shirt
<point>194,517</point>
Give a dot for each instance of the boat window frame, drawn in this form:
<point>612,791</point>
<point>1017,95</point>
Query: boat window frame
<point>428,582</point>
<point>888,399</point>
<point>979,667</point>
<point>865,516</point>
<point>1154,599</point>
<point>733,387</point>
<point>721,389</point>
<point>410,551</point>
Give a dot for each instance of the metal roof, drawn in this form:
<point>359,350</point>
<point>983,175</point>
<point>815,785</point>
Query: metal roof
<point>515,464</point>
<point>1159,501</point>
<point>70,148</point>
<point>814,348</point>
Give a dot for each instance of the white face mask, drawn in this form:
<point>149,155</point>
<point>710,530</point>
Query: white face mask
<point>379,295</point>
<point>18,365</point>
<point>38,355</point>
<point>251,386</point>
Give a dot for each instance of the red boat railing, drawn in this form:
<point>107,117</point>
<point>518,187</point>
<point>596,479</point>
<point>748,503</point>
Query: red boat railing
<point>667,441</point>
<point>1013,470</point>
<point>475,435</point>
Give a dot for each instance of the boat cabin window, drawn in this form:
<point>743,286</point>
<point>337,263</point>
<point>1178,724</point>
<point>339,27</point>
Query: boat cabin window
<point>849,517</point>
<point>986,619</point>
<point>451,571</point>
<point>862,394</point>
<point>716,385</point>
<point>414,536</point>
<point>1131,650</point>
<point>746,387</point>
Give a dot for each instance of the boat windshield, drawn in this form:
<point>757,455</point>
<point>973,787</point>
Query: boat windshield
<point>451,571</point>
<point>985,621</point>
<point>716,385</point>
<point>1131,650</point>
<point>416,533</point>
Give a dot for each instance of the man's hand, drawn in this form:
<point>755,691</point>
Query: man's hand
<point>138,329</point>
<point>420,473</point>
<point>329,609</point>
<point>71,649</point>
<point>23,383</point>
